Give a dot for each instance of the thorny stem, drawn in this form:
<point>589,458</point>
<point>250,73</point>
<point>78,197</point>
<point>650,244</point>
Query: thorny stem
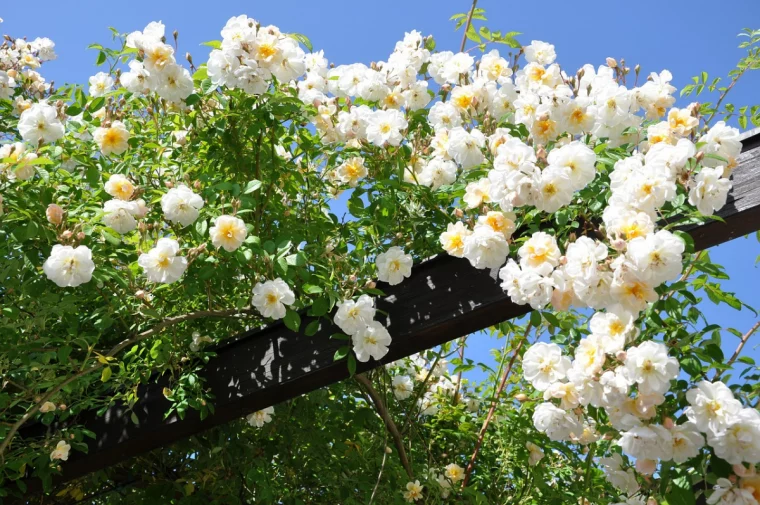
<point>738,350</point>
<point>723,95</point>
<point>459,375</point>
<point>380,473</point>
<point>587,476</point>
<point>467,25</point>
<point>388,420</point>
<point>494,403</point>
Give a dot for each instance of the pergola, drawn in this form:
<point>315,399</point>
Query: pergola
<point>445,298</point>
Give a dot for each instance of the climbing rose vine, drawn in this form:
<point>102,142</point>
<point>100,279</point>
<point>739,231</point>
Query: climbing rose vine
<point>168,205</point>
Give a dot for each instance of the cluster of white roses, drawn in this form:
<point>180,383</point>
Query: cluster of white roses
<point>68,266</point>
<point>732,431</point>
<point>617,277</point>
<point>39,122</point>
<point>156,70</point>
<point>357,319</point>
<point>121,213</point>
<point>392,85</point>
<point>19,61</point>
<point>251,54</point>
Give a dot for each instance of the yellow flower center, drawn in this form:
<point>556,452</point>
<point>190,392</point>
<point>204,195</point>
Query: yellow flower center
<point>159,57</point>
<point>266,51</point>
<point>163,261</point>
<point>577,116</point>
<point>353,169</point>
<point>455,242</point>
<point>632,230</point>
<point>616,327</point>
<point>111,138</point>
<point>464,101</point>
<point>536,73</point>
<point>545,126</point>
<point>713,406</point>
<point>635,290</point>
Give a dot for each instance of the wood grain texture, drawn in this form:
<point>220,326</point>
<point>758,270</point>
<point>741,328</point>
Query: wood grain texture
<point>444,299</point>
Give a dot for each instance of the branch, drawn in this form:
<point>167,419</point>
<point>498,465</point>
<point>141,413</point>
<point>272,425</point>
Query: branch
<point>491,411</point>
<point>467,25</point>
<point>386,416</point>
<point>169,321</point>
<point>723,95</point>
<point>688,271</point>
<point>461,369</point>
<point>738,350</point>
<point>12,433</point>
<point>380,474</point>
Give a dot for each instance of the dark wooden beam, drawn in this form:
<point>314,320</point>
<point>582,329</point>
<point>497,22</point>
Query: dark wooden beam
<point>445,298</point>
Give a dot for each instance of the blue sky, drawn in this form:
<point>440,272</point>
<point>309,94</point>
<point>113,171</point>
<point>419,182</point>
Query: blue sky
<point>684,36</point>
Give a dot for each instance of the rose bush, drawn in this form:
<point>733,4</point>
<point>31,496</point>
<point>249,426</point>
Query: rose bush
<point>170,206</point>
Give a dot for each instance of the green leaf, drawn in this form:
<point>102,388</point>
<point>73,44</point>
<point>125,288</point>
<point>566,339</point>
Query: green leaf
<point>320,307</point>
<point>311,289</point>
<point>473,35</point>
<point>106,374</point>
<point>303,39</point>
<point>193,99</point>
<point>312,328</point>
<point>341,353</point>
<point>216,44</point>
<point>251,187</point>
<point>292,320</point>
<point>692,366</point>
<point>201,73</point>
<point>535,318</point>
<point>201,227</point>
<point>26,232</point>
<point>96,104</point>
<point>680,495</point>
<point>101,58</point>
<point>63,353</point>
<point>687,239</point>
<point>351,364</point>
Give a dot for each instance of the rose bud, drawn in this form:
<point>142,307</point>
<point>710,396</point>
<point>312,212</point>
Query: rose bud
<point>54,214</point>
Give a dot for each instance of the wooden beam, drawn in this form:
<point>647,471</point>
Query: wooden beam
<point>445,298</point>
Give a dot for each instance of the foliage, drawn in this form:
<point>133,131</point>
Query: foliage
<point>186,208</point>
